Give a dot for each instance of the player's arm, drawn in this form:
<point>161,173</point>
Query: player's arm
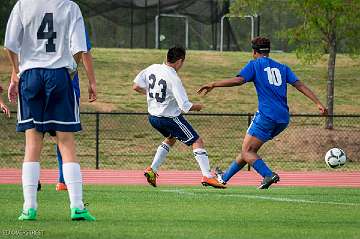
<point>300,86</point>
<point>13,90</point>
<point>89,68</point>
<point>140,83</point>
<point>236,81</point>
<point>182,99</point>
<point>139,89</point>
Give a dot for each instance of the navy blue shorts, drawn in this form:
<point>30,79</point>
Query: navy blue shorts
<point>264,128</point>
<point>47,101</point>
<point>177,127</point>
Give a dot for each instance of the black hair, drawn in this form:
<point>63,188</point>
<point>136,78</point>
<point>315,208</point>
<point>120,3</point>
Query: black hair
<point>261,45</point>
<point>175,53</point>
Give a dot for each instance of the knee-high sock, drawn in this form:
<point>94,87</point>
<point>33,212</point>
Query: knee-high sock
<point>73,180</point>
<point>232,170</point>
<point>260,166</point>
<point>203,161</point>
<point>30,179</point>
<point>160,156</point>
<point>60,163</point>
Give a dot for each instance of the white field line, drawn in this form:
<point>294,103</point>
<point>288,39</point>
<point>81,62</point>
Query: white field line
<point>278,199</point>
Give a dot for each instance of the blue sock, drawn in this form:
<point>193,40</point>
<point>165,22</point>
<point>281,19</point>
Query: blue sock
<point>260,166</point>
<point>232,170</point>
<point>60,163</point>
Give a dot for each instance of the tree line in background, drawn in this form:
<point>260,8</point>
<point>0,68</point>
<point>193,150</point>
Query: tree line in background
<point>311,28</point>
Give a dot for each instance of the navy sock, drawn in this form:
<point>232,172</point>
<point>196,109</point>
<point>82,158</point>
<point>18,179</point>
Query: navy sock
<point>232,170</point>
<point>60,163</point>
<point>260,166</point>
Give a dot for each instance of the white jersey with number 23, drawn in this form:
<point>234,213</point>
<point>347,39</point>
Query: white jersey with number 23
<point>166,96</point>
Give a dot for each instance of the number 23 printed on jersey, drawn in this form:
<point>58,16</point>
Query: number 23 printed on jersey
<point>158,95</point>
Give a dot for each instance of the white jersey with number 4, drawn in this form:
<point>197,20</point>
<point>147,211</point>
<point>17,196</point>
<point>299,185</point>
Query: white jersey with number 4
<point>45,33</point>
<point>166,96</point>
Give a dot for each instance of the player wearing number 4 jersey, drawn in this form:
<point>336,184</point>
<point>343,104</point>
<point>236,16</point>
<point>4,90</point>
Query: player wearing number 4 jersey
<point>270,79</point>
<point>166,98</point>
<point>45,41</point>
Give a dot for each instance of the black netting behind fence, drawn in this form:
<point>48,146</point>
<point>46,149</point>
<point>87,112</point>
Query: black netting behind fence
<point>127,141</point>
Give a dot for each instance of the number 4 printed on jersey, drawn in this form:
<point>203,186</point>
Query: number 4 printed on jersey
<point>274,76</point>
<point>50,35</point>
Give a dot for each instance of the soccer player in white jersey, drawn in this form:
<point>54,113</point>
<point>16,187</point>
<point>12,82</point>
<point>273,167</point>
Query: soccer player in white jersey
<point>45,40</point>
<point>166,98</point>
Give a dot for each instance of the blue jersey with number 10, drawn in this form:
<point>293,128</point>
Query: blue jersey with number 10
<point>270,78</point>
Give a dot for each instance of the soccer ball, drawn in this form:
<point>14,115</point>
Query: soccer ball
<point>335,158</point>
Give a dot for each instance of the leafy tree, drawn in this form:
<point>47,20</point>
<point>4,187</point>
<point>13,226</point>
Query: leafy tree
<point>325,26</point>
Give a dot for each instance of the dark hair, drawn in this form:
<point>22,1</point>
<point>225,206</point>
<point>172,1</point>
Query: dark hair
<point>261,45</point>
<point>176,53</point>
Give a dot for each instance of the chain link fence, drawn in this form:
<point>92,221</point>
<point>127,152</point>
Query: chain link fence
<point>127,141</point>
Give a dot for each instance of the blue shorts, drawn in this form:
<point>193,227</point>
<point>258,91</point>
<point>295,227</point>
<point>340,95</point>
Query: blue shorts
<point>264,128</point>
<point>177,127</point>
<point>47,101</point>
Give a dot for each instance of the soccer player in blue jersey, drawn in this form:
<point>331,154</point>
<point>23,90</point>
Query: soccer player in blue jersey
<point>270,79</point>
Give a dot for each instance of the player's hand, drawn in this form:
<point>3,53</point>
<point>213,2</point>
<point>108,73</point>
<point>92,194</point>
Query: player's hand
<point>5,109</point>
<point>13,91</point>
<point>92,92</point>
<point>322,109</point>
<point>196,107</point>
<point>206,88</point>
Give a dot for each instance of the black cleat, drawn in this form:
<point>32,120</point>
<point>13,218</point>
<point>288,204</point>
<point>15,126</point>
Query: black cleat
<point>269,180</point>
<point>219,174</point>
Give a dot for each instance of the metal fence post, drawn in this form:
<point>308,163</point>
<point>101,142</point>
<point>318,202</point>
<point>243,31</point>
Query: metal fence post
<point>97,139</point>
<point>249,122</point>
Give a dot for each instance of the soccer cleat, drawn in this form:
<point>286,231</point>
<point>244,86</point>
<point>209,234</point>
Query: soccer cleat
<point>29,215</point>
<point>213,182</point>
<point>150,176</point>
<point>61,187</point>
<point>219,175</point>
<point>267,181</point>
<point>39,186</point>
<point>81,215</point>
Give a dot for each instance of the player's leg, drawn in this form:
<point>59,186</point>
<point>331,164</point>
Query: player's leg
<point>30,110</point>
<point>183,131</point>
<point>72,176</point>
<point>159,123</point>
<point>202,158</point>
<point>31,173</point>
<point>161,153</point>
<point>63,108</point>
<point>234,167</point>
<point>60,186</point>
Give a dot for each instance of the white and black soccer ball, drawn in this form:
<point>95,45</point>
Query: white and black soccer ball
<point>335,158</point>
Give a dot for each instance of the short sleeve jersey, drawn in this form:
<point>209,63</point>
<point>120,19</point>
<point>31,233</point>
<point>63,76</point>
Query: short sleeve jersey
<point>270,79</point>
<point>45,34</point>
<point>166,96</point>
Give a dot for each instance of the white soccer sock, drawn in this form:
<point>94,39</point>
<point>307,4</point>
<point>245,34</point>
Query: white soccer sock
<point>30,180</point>
<point>160,156</point>
<point>203,161</point>
<point>73,181</point>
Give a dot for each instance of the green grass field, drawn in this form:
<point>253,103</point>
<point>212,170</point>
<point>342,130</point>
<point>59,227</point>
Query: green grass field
<point>189,212</point>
